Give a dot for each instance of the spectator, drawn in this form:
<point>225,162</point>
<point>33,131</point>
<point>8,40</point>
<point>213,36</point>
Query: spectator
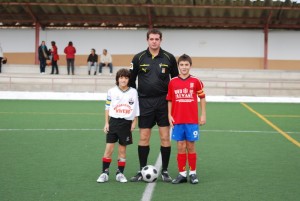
<point>70,52</point>
<point>1,57</point>
<point>43,56</point>
<point>55,57</point>
<point>92,61</point>
<point>105,60</point>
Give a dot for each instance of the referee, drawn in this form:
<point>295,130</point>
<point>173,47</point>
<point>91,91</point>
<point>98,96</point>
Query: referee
<point>154,67</point>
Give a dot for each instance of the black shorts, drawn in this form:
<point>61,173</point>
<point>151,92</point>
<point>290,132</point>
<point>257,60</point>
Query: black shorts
<point>119,130</point>
<point>153,110</point>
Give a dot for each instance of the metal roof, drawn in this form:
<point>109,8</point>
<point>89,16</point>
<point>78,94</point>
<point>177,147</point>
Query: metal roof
<point>212,14</point>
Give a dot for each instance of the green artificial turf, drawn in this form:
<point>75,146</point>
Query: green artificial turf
<point>52,150</point>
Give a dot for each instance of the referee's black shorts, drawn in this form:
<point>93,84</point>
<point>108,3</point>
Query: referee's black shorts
<point>119,130</point>
<point>153,110</point>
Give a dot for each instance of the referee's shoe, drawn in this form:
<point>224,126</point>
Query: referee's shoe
<point>165,176</point>
<point>137,177</point>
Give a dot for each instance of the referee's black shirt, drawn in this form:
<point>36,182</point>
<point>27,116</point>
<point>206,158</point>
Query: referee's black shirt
<point>153,73</point>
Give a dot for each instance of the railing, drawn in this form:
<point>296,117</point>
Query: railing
<point>44,80</point>
<point>227,87</point>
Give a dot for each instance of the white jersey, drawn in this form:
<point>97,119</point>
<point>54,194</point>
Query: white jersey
<point>122,104</point>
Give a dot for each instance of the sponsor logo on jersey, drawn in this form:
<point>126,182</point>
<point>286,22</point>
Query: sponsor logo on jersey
<point>131,101</point>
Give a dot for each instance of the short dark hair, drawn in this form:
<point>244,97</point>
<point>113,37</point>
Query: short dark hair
<point>154,31</point>
<point>123,72</point>
<point>185,57</point>
<point>52,42</point>
<point>70,43</point>
<point>94,50</point>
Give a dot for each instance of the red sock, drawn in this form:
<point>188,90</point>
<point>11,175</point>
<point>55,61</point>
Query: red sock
<point>192,158</point>
<point>181,161</point>
<point>121,165</point>
<point>108,160</point>
<point>105,164</point>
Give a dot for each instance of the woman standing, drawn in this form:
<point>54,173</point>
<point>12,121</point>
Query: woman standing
<point>70,55</point>
<point>55,57</point>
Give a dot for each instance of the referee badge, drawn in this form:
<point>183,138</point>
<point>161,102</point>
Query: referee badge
<point>163,67</point>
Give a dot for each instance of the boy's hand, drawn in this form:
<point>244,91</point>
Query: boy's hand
<point>202,120</point>
<point>171,120</point>
<point>106,128</point>
<point>132,126</point>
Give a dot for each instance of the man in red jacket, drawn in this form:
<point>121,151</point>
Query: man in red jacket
<point>70,55</point>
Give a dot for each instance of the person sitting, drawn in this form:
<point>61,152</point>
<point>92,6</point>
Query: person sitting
<point>105,60</point>
<point>92,61</point>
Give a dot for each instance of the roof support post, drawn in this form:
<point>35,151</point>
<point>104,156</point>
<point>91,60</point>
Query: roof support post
<point>37,42</point>
<point>266,40</point>
<point>150,26</point>
<point>266,37</point>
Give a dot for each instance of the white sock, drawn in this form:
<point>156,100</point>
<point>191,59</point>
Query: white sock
<point>183,173</point>
<point>192,172</point>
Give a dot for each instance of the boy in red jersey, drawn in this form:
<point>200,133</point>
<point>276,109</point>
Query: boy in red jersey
<point>183,93</point>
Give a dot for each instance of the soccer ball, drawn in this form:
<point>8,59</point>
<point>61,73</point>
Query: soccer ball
<point>149,173</point>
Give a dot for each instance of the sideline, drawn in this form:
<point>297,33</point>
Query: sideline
<point>20,95</point>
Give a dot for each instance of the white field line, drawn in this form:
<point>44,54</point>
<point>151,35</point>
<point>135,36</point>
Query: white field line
<point>23,95</point>
<point>100,129</point>
<point>49,129</point>
<point>147,195</point>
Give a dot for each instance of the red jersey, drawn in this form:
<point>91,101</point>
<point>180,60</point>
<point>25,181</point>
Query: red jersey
<point>184,95</point>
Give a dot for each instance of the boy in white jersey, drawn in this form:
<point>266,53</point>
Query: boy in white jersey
<point>183,93</point>
<point>121,111</point>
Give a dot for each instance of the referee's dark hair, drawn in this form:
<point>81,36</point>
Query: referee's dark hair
<point>154,31</point>
<point>185,57</point>
<point>123,72</point>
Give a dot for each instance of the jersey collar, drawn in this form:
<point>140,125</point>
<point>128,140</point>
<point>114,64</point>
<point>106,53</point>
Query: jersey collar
<point>160,54</point>
<point>184,78</point>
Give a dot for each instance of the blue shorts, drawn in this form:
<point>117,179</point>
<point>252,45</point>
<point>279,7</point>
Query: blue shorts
<point>189,132</point>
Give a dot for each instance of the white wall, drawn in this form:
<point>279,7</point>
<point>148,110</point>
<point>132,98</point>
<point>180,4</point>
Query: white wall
<point>214,43</point>
<point>283,45</point>
<point>15,40</point>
